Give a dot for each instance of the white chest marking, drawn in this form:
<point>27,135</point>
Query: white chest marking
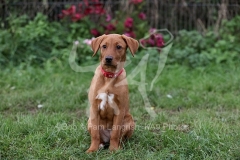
<point>105,98</point>
<point>110,98</point>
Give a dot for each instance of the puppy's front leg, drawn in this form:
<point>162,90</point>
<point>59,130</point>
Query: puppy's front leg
<point>94,129</point>
<point>116,130</point>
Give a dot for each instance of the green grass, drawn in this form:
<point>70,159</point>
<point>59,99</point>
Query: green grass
<point>200,121</point>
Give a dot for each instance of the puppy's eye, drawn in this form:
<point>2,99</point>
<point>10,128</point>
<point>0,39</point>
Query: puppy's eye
<point>104,46</point>
<point>119,47</point>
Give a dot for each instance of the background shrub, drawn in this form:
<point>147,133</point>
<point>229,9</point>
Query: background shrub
<point>193,49</point>
<point>35,41</point>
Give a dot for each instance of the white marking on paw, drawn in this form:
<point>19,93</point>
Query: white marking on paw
<point>103,97</point>
<point>101,146</point>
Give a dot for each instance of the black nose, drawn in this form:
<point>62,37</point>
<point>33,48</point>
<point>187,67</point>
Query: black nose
<point>108,59</point>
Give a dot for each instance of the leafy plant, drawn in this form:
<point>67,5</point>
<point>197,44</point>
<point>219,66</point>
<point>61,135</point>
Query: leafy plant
<point>35,41</point>
<point>193,49</point>
<point>134,26</point>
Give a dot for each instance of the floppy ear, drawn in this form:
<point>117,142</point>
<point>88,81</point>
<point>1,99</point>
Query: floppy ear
<point>132,44</point>
<point>95,44</point>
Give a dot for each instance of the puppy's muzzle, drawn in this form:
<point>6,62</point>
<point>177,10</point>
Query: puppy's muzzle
<point>108,59</point>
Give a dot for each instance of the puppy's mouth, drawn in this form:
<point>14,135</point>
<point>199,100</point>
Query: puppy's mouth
<point>110,65</point>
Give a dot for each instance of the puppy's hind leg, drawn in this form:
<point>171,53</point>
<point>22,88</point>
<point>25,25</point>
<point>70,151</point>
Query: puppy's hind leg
<point>128,128</point>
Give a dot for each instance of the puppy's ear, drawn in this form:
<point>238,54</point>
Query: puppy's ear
<point>132,44</point>
<point>96,44</point>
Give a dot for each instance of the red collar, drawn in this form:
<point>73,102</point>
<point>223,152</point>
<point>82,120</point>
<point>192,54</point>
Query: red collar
<point>110,74</point>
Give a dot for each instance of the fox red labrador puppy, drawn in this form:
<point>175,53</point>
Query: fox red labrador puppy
<point>110,121</point>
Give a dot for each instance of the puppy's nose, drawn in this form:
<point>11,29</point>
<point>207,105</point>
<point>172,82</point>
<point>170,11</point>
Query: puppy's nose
<point>108,59</point>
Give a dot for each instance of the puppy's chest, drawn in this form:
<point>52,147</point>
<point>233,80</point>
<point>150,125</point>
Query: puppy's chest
<point>107,105</point>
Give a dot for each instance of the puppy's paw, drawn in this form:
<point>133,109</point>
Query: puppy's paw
<point>113,148</point>
<point>91,150</point>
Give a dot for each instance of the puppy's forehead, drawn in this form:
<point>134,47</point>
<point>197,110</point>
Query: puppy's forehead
<point>114,39</point>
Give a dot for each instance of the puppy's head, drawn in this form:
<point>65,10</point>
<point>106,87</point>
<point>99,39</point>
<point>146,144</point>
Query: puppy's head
<point>113,50</point>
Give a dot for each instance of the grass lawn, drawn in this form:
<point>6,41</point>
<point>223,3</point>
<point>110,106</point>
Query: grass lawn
<point>43,115</point>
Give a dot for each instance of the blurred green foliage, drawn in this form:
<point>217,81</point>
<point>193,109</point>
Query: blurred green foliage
<point>193,49</point>
<point>36,41</point>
